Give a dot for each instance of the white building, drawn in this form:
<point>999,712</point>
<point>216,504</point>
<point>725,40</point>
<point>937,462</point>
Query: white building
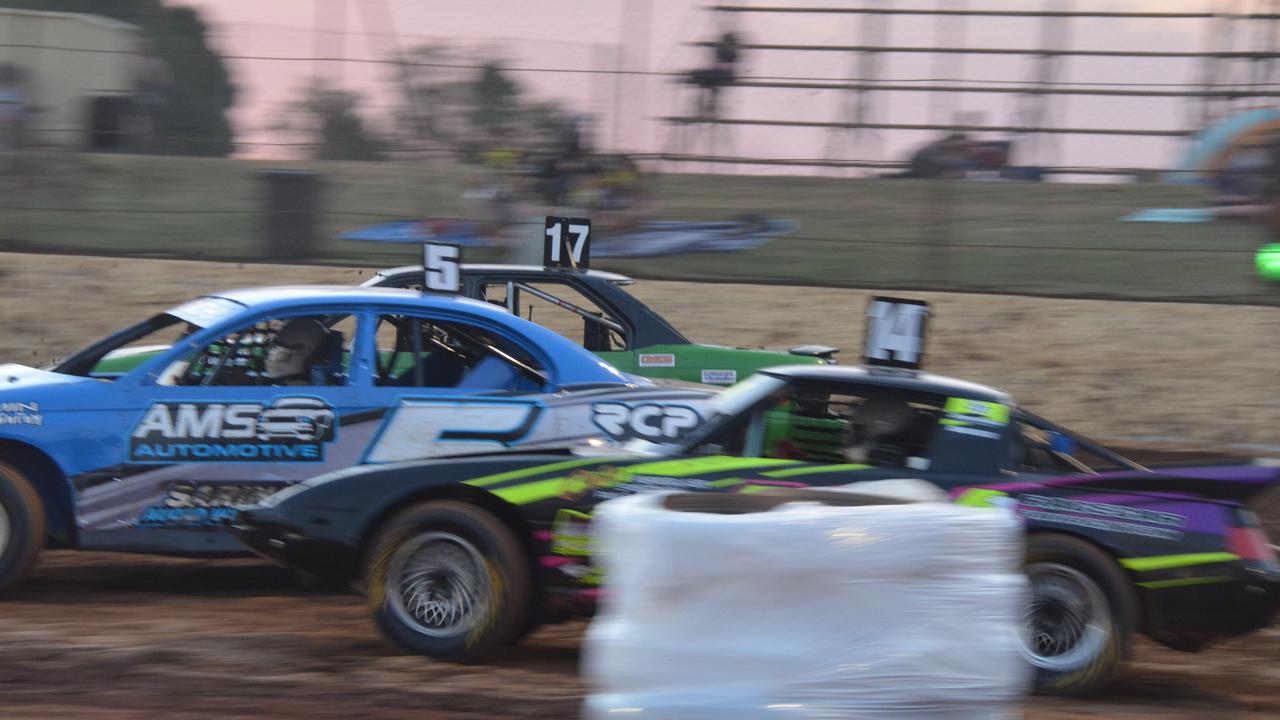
<point>63,74</point>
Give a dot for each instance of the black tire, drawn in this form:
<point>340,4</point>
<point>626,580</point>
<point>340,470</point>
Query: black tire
<point>1082,617</point>
<point>455,549</point>
<point>22,526</point>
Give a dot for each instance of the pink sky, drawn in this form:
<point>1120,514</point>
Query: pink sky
<point>583,34</point>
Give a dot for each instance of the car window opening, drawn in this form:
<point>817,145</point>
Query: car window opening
<point>417,352</point>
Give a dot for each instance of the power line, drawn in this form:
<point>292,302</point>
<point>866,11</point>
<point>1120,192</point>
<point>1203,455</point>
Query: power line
<point>975,13</point>
<point>801,238</point>
<point>365,61</point>
<point>654,73</point>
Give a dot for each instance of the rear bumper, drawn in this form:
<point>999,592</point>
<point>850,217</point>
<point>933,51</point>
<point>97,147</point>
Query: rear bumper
<point>1187,612</point>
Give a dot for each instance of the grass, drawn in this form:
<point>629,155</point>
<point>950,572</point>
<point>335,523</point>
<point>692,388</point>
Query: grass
<point>1048,239</point>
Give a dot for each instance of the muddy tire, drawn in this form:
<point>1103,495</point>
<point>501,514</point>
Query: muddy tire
<point>448,580</point>
<point>22,526</point>
<point>1081,618</point>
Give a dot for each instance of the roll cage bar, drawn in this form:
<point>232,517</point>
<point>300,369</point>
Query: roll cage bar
<point>1087,444</point>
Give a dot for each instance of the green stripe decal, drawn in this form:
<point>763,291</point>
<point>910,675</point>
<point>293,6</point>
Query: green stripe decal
<point>1164,562</point>
<point>531,492</point>
<point>812,469</point>
<point>698,466</point>
<point>1183,582</point>
<point>530,472</point>
<point>979,497</point>
<point>606,476</point>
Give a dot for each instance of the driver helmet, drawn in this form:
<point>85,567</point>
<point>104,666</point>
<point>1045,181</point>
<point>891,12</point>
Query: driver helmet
<point>294,347</point>
<point>878,417</point>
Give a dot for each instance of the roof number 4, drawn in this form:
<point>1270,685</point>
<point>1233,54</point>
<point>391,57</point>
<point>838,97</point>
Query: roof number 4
<point>895,332</point>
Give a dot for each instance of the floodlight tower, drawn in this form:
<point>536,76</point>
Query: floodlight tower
<point>1240,64</point>
<point>1036,107</point>
<point>857,104</point>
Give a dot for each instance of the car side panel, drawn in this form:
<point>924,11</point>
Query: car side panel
<point>710,364</point>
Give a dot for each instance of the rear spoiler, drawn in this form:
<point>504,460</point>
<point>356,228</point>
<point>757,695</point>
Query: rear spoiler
<point>1232,483</point>
<point>818,351</point>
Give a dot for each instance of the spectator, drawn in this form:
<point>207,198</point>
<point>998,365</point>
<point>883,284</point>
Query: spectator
<point>722,72</point>
<point>13,110</point>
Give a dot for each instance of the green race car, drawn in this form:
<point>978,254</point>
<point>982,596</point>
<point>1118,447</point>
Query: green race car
<point>593,308</point>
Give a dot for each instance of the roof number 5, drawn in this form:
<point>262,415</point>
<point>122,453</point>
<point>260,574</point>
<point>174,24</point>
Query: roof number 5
<point>568,243</point>
<point>441,271</point>
<point>895,332</point>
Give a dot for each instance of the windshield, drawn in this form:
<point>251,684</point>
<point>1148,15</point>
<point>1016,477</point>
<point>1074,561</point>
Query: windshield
<point>121,352</point>
<point>117,354</point>
<point>205,311</point>
<point>1043,447</point>
<point>723,408</point>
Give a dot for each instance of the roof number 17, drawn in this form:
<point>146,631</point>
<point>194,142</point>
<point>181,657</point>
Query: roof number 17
<point>568,243</point>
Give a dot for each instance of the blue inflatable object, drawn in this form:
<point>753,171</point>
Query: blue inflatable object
<point>414,232</point>
<point>659,237</point>
<point>1210,143</point>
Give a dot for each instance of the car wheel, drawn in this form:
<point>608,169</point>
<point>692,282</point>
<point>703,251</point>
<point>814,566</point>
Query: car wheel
<point>448,580</point>
<point>1081,617</point>
<point>22,526</point>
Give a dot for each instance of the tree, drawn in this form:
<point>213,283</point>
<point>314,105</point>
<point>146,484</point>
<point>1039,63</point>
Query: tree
<point>495,102</point>
<point>448,101</point>
<point>336,128</point>
<point>189,111</point>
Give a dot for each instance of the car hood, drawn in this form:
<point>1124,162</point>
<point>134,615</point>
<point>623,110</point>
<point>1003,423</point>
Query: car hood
<point>20,377</point>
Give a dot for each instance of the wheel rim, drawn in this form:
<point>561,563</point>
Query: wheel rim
<point>438,584</point>
<point>1068,621</point>
<point>4,529</point>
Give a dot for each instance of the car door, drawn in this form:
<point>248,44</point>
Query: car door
<point>211,427</point>
<point>453,385</point>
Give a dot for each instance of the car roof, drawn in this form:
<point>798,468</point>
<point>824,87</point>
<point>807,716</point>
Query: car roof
<point>575,364</point>
<point>286,294</point>
<point>497,269</point>
<point>896,379</point>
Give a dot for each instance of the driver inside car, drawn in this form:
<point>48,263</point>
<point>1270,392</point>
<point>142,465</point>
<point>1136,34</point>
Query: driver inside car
<point>878,419</point>
<point>295,352</point>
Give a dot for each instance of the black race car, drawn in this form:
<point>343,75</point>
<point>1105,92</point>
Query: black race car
<point>460,556</point>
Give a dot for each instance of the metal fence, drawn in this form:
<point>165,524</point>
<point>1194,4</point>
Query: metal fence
<point>852,229</point>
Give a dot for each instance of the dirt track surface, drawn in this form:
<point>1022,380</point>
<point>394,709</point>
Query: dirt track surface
<point>112,637</point>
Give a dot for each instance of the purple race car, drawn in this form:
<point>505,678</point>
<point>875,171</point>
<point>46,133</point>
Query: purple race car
<point>459,557</point>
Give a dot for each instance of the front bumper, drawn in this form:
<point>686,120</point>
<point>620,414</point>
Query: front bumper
<point>272,535</point>
<point>1239,600</point>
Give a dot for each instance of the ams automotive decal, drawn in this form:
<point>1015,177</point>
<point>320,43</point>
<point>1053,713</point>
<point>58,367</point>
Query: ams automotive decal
<point>288,429</point>
<point>649,421</point>
<point>21,413</point>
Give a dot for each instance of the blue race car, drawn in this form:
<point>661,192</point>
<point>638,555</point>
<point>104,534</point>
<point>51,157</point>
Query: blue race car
<point>148,439</point>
